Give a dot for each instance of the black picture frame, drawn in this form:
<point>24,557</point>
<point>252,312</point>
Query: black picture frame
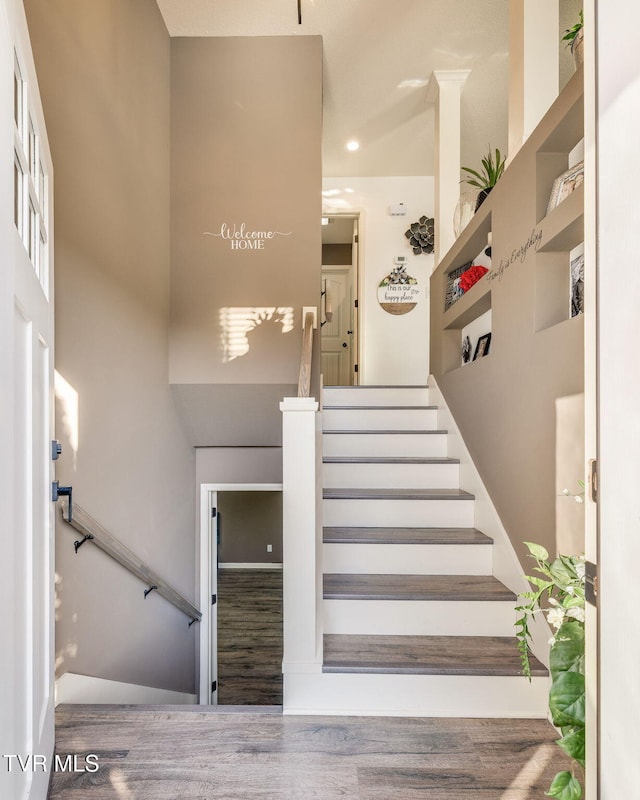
<point>482,346</point>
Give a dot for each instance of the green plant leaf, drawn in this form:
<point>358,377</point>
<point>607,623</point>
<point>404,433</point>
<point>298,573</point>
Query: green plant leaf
<point>537,551</point>
<point>567,654</point>
<point>573,743</point>
<point>565,787</point>
<point>567,699</point>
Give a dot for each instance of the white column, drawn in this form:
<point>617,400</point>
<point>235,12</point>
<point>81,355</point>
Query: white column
<point>534,59</point>
<point>301,537</point>
<point>445,90</point>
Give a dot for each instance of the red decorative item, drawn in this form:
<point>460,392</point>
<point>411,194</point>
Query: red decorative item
<point>471,276</point>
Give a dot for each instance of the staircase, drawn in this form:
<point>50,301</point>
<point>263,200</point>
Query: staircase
<point>414,622</point>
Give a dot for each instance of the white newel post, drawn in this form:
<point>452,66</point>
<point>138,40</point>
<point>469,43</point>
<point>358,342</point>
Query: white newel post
<point>301,496</point>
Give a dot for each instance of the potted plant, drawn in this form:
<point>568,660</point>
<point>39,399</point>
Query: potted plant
<point>574,37</point>
<point>560,584</point>
<point>487,178</point>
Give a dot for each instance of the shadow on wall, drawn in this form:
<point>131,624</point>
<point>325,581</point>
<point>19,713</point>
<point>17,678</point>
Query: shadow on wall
<point>238,323</point>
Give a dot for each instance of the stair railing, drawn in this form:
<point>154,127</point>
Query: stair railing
<point>93,532</point>
<point>304,376</point>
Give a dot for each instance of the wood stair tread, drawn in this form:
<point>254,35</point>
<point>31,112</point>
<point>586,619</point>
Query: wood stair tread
<point>425,655</point>
<point>389,460</point>
<point>396,494</point>
<point>378,386</point>
<point>415,587</point>
<point>379,408</point>
<point>426,432</point>
<point>435,536</point>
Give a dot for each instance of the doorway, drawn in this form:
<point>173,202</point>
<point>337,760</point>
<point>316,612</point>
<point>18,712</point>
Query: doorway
<point>241,636</point>
<point>339,352</point>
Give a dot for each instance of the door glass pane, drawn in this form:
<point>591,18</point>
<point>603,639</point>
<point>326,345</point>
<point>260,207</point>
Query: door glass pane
<point>33,150</point>
<point>18,89</point>
<point>17,195</point>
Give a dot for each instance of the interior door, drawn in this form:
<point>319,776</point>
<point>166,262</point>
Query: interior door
<point>26,297</point>
<point>337,333</point>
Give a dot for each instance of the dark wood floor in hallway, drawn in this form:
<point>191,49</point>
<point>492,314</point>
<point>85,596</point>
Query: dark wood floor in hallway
<point>194,753</point>
<point>250,637</point>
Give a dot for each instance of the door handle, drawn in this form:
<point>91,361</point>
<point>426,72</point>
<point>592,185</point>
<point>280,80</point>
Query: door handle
<point>349,333</point>
<point>344,344</point>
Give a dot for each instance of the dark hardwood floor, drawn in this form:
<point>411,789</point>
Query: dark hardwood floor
<point>195,753</point>
<point>249,637</point>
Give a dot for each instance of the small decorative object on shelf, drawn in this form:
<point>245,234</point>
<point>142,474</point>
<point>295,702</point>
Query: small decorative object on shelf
<point>471,276</point>
<point>577,286</point>
<point>466,350</point>
<point>465,209</point>
<point>421,235</point>
<point>453,291</point>
<point>482,348</point>
<point>574,37</point>
<point>565,184</point>
<point>488,177</point>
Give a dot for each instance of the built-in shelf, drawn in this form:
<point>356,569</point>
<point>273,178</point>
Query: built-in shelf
<point>563,227</point>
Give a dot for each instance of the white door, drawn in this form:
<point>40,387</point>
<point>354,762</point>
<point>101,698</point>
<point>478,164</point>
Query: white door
<point>26,366</point>
<point>335,357</point>
<point>208,596</point>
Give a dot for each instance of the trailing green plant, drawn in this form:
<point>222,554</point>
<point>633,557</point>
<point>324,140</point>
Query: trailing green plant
<point>560,584</point>
<point>571,33</point>
<point>491,171</point>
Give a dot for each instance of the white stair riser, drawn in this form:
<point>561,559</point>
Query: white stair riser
<point>431,445</point>
<point>375,396</point>
<point>407,559</point>
<point>416,695</point>
<point>399,513</point>
<point>391,476</point>
<point>420,617</point>
<point>390,419</point>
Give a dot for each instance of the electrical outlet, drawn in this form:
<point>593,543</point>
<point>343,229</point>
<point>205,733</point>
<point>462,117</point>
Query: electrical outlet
<point>269,548</point>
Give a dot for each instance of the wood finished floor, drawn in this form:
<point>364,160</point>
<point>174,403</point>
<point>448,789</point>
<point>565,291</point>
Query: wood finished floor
<point>249,637</point>
<point>169,752</point>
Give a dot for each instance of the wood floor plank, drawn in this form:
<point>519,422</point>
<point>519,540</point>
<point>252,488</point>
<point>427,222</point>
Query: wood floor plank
<point>158,753</point>
<point>415,587</point>
<point>250,642</point>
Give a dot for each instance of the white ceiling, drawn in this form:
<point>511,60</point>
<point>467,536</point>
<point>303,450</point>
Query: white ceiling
<point>378,57</point>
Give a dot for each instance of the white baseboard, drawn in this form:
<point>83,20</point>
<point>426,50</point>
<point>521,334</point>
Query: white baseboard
<point>72,688</point>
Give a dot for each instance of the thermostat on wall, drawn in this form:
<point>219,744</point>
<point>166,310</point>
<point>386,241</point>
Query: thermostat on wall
<point>400,260</point>
<point>399,210</point>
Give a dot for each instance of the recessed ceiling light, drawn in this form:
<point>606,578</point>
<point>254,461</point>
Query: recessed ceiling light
<point>352,146</point>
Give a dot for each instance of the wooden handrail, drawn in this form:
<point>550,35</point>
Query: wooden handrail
<point>95,533</point>
<point>304,376</point>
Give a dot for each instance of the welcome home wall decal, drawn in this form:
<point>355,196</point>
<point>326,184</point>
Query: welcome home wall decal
<point>241,238</point>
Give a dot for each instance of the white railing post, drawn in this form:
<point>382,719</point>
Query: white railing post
<point>301,496</point>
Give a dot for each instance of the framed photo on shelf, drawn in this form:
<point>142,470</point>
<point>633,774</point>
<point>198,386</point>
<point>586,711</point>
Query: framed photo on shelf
<point>577,286</point>
<point>565,184</point>
<point>482,347</point>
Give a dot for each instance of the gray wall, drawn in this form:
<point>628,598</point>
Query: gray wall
<point>248,522</point>
<point>246,149</point>
<point>334,254</point>
<point>104,74</point>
